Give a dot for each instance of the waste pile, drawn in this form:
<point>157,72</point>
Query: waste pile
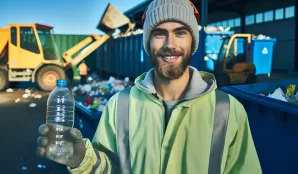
<point>288,96</point>
<point>96,94</point>
<point>136,32</point>
<point>211,29</point>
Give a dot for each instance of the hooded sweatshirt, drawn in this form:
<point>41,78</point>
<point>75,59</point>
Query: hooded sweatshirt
<point>177,145</point>
<point>196,87</point>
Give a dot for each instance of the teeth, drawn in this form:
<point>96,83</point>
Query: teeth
<point>170,57</point>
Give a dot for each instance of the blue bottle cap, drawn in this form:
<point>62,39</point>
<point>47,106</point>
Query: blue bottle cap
<point>61,83</point>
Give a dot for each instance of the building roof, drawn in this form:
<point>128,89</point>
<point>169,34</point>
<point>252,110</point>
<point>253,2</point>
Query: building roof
<point>135,13</point>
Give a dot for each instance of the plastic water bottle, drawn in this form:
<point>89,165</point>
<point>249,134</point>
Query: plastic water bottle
<point>60,119</point>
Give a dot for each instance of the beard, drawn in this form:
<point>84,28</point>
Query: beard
<point>170,71</point>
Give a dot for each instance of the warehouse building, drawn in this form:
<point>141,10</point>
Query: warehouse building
<point>273,18</point>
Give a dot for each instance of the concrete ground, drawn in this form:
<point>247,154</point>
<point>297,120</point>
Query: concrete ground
<point>18,132</point>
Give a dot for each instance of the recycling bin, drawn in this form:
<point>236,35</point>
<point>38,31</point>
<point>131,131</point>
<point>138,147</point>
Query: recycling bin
<point>205,59</point>
<point>262,55</point>
<point>86,120</point>
<point>273,124</point>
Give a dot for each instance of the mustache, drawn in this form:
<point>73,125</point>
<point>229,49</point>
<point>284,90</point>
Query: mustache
<point>170,52</point>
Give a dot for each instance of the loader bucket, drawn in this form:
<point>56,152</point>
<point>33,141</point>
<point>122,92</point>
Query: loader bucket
<point>112,19</point>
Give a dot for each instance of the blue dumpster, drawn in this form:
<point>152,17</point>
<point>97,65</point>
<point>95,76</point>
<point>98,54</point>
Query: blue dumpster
<point>273,123</point>
<point>87,120</point>
<point>212,47</point>
<point>262,55</point>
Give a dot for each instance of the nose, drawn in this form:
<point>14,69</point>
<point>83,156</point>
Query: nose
<point>170,42</point>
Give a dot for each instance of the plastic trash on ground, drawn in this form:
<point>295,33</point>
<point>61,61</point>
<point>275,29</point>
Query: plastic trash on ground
<point>32,105</point>
<point>27,91</point>
<point>25,95</point>
<point>9,90</point>
<point>37,96</point>
<point>40,166</point>
<point>24,168</point>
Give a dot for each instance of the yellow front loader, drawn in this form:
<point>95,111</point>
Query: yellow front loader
<point>28,52</point>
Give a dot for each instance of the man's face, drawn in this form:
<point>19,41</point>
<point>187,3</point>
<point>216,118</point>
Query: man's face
<point>170,49</point>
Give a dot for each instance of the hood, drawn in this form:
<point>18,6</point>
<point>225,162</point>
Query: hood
<point>200,83</point>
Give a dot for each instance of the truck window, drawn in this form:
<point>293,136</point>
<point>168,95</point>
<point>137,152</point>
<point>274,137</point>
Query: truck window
<point>13,35</point>
<point>238,52</point>
<point>48,44</point>
<point>28,40</point>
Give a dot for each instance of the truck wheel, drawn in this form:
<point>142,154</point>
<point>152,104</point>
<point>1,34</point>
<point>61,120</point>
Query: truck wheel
<point>3,79</point>
<point>48,75</point>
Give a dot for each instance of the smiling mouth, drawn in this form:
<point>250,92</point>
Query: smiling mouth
<point>170,59</point>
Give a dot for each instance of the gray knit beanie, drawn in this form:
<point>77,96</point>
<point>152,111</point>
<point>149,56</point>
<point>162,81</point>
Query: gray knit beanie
<point>170,10</point>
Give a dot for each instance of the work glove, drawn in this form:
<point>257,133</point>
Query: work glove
<point>75,137</point>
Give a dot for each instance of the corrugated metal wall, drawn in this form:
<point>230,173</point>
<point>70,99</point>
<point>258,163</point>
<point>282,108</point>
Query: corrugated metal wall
<point>65,42</point>
<point>123,56</point>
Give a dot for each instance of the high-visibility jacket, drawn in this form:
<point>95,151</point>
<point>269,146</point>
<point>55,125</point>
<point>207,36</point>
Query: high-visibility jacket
<point>183,146</point>
<point>83,69</point>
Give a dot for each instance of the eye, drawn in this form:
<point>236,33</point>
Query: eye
<point>180,33</point>
<point>159,34</point>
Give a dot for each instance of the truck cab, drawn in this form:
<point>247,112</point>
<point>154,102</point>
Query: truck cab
<point>24,50</point>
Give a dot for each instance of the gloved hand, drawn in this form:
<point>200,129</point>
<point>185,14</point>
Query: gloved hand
<point>75,137</point>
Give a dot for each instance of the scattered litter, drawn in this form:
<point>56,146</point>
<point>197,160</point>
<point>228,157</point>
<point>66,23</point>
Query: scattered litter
<point>24,168</point>
<point>27,91</point>
<point>17,100</point>
<point>32,105</point>
<point>25,95</point>
<point>37,96</point>
<point>40,166</point>
<point>32,95</point>
<point>9,90</point>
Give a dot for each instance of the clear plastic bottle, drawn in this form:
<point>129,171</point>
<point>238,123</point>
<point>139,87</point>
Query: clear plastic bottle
<point>60,118</point>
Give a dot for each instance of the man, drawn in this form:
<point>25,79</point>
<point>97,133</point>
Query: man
<point>83,69</point>
<point>171,111</point>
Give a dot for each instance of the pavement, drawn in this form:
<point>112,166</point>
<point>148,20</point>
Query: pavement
<point>19,132</point>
